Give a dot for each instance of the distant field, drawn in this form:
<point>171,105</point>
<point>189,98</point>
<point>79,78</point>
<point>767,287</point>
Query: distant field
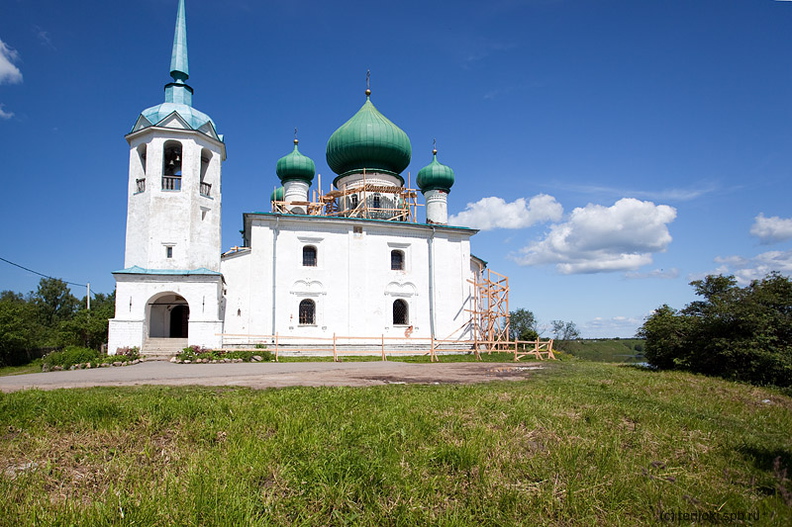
<point>607,350</point>
<point>580,443</point>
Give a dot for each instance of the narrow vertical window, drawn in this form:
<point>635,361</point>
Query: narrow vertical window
<point>354,201</point>
<point>376,201</point>
<point>206,158</point>
<point>307,312</point>
<point>400,313</point>
<point>141,150</point>
<point>309,256</point>
<point>397,260</point>
<point>168,252</point>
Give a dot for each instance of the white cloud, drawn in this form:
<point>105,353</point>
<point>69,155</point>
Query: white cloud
<point>772,230</point>
<point>43,37</point>
<point>667,274</point>
<point>610,327</point>
<point>669,194</point>
<point>4,114</point>
<point>9,74</point>
<point>494,213</point>
<point>599,239</point>
<point>747,269</point>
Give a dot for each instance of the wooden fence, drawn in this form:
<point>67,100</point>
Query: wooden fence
<point>387,346</point>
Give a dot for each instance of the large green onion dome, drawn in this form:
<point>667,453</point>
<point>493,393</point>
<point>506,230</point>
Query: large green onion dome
<point>277,194</point>
<point>295,166</point>
<point>368,141</point>
<point>435,176</point>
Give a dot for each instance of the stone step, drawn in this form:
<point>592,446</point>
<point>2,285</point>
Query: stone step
<point>163,346</point>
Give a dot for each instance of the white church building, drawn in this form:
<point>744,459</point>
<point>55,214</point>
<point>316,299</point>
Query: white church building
<point>354,263</point>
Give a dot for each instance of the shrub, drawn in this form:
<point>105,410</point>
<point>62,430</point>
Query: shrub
<point>193,353</point>
<point>737,333</point>
<point>70,356</point>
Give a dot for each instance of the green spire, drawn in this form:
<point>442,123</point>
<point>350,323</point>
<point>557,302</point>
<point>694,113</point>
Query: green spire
<point>180,69</point>
<point>177,91</point>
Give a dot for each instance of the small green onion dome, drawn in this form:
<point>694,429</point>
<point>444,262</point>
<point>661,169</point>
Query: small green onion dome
<point>435,176</point>
<point>277,194</point>
<point>295,166</point>
<point>368,141</point>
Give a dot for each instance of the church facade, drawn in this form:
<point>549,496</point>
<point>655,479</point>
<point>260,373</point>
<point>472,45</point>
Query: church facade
<point>355,263</point>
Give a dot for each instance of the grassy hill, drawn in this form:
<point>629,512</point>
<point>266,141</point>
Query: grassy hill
<point>607,350</point>
<point>580,443</point>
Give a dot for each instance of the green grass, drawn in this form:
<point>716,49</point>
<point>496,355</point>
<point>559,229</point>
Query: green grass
<point>32,367</point>
<point>579,443</point>
<point>374,357</point>
<point>607,350</point>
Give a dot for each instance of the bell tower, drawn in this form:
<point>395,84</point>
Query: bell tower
<point>171,286</point>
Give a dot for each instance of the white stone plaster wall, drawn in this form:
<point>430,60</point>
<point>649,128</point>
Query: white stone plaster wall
<point>436,206</point>
<point>203,294</point>
<point>352,284</point>
<point>184,219</point>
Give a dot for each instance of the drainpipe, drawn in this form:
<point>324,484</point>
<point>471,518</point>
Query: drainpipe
<point>274,269</point>
<point>431,284</point>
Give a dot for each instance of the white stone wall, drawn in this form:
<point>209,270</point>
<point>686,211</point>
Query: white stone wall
<point>134,294</point>
<point>184,219</point>
<point>352,284</point>
<point>436,206</point>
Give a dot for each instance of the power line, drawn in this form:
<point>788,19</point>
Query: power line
<point>40,274</point>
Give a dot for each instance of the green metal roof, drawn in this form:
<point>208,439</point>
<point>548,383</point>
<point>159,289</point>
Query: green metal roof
<point>178,95</point>
<point>435,176</point>
<point>277,194</point>
<point>295,166</point>
<point>368,141</point>
<point>140,270</point>
<point>180,68</point>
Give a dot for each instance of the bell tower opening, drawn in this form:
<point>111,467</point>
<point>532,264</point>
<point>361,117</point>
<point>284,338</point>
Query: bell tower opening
<point>172,166</point>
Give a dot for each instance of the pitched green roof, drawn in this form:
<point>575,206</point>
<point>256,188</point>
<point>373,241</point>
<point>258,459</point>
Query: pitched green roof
<point>178,95</point>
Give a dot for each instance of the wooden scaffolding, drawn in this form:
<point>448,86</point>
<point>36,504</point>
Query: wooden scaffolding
<point>490,315</point>
<point>363,200</point>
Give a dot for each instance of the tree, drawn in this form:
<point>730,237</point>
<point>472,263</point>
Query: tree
<point>19,329</point>
<point>55,301</point>
<point>522,325</point>
<point>564,331</point>
<point>733,332</point>
<point>88,328</point>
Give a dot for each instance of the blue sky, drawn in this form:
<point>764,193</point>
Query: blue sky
<point>611,151</point>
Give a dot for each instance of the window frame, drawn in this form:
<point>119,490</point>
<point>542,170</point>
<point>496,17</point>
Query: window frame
<point>405,315</point>
<point>306,250</point>
<point>402,259</point>
<point>306,312</point>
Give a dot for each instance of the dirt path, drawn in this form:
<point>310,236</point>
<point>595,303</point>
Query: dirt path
<point>272,375</point>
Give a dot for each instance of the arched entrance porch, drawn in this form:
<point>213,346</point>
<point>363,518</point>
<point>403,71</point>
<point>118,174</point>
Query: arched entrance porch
<point>168,316</point>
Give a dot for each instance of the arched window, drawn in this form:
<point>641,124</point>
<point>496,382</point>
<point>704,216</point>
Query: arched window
<point>206,158</point>
<point>309,256</point>
<point>307,312</point>
<point>397,260</point>
<point>353,201</point>
<point>375,202</point>
<point>400,313</point>
<point>141,150</point>
<point>172,166</point>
